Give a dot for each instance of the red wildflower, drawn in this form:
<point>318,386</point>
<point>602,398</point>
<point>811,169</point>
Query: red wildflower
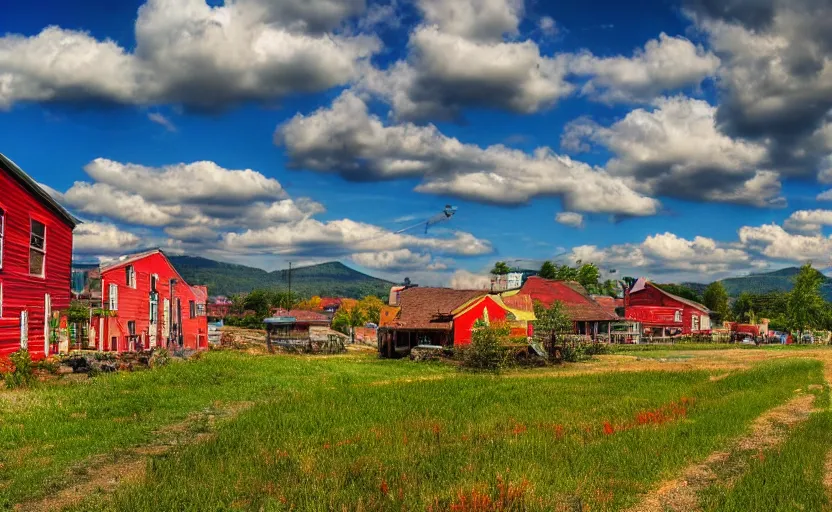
<point>384,488</point>
<point>608,428</point>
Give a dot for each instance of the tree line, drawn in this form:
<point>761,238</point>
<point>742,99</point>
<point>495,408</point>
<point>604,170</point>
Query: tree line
<point>801,309</point>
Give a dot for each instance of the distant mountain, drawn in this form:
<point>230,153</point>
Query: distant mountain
<point>333,279</point>
<point>777,281</point>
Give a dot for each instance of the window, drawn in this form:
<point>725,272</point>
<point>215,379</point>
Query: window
<point>131,327</point>
<point>694,320</point>
<point>154,282</point>
<point>154,308</point>
<point>705,323</point>
<point>130,274</point>
<point>677,317</point>
<point>113,297</point>
<point>192,307</point>
<point>37,248</point>
<point>200,309</point>
<point>2,231</point>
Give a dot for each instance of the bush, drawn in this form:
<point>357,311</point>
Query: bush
<point>23,374</point>
<point>487,351</point>
<point>246,322</point>
<point>160,357</point>
<point>50,364</point>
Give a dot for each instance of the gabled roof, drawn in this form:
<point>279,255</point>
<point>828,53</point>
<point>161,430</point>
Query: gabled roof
<point>608,303</point>
<point>521,306</point>
<point>130,258</point>
<point>577,303</point>
<point>642,283</point>
<point>388,315</point>
<point>32,186</point>
<point>431,308</point>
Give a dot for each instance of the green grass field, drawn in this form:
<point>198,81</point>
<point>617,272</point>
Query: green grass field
<point>357,433</point>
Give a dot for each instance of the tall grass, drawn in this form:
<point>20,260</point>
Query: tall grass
<point>45,432</point>
<point>448,444</point>
<point>788,478</point>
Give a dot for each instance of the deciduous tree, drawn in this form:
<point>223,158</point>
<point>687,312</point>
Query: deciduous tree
<point>715,298</point>
<point>806,308</point>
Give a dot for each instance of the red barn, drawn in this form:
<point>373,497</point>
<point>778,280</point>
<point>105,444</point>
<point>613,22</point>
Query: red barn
<point>588,317</point>
<point>35,262</point>
<point>664,312</point>
<point>151,305</point>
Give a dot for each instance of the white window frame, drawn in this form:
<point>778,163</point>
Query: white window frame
<point>130,272</point>
<point>677,316</point>
<point>47,322</point>
<point>112,297</point>
<point>24,330</point>
<point>200,309</point>
<point>40,250</point>
<point>2,236</point>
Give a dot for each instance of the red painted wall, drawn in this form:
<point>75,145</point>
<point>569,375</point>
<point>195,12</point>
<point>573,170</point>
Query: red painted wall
<point>650,303</point>
<point>464,323</point>
<point>134,304</point>
<point>22,292</point>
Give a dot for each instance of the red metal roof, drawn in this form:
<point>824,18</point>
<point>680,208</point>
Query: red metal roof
<point>576,301</point>
<point>609,303</point>
<point>520,302</point>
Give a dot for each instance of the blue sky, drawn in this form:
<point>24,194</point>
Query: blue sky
<point>676,139</point>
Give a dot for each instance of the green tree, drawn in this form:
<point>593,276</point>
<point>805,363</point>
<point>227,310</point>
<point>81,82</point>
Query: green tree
<point>588,276</point>
<point>283,299</point>
<point>806,308</point>
<point>550,322</point>
<point>566,273</point>
<point>744,308</point>
<point>501,268</point>
<point>548,270</point>
<point>371,307</point>
<point>610,287</point>
<point>715,298</point>
<point>258,301</point>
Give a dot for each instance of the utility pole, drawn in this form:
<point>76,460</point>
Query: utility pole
<point>290,286</point>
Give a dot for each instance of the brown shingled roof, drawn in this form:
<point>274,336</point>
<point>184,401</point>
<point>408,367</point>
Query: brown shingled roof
<point>430,308</point>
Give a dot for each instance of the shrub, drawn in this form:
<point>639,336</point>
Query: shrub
<point>160,357</point>
<point>50,364</point>
<point>487,351</point>
<point>23,374</point>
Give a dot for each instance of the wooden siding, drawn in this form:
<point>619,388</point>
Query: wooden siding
<point>134,305</point>
<point>464,322</point>
<point>655,308</point>
<point>21,291</point>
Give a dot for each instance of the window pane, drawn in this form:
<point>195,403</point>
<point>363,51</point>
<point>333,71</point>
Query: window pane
<point>37,235</point>
<point>35,262</point>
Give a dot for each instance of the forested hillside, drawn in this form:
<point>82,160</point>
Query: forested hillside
<point>333,279</point>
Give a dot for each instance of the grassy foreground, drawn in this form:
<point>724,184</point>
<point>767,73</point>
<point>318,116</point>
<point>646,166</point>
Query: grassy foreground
<point>356,433</point>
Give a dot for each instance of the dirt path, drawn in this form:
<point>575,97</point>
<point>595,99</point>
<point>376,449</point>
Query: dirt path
<point>100,476</point>
<point>768,431</point>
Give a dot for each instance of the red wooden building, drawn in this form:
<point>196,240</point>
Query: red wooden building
<point>588,317</point>
<point>663,313</point>
<point>151,305</point>
<point>35,262</point>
